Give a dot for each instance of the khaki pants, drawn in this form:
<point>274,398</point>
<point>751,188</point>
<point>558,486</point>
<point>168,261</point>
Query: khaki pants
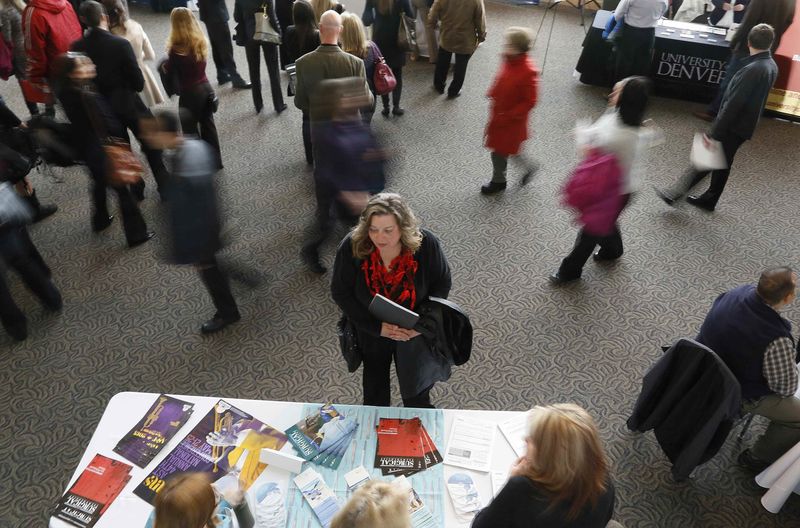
<point>783,431</point>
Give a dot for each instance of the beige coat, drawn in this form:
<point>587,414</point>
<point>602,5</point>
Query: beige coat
<point>463,24</point>
<point>143,50</point>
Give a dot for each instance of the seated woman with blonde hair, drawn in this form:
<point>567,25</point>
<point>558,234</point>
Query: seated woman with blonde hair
<point>375,504</point>
<point>562,481</point>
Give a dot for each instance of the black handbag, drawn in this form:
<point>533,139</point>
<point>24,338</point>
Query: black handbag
<point>348,342</point>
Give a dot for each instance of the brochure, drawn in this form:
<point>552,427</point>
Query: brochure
<point>226,440</point>
<point>404,447</point>
<point>318,495</point>
<point>471,443</point>
<point>154,430</point>
<point>464,495</point>
<point>421,516</point>
<point>93,492</point>
<point>323,437</point>
<point>515,430</point>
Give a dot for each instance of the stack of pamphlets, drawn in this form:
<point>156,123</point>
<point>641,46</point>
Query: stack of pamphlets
<point>404,447</point>
<point>323,437</point>
<point>318,495</point>
<point>151,434</point>
<point>226,440</point>
<point>93,492</point>
<point>421,516</point>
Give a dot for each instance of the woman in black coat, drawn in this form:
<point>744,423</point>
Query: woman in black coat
<point>300,38</point>
<point>244,13</point>
<point>384,16</point>
<point>388,254</point>
<point>283,11</point>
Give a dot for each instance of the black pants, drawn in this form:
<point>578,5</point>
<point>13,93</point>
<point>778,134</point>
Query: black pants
<point>219,289</point>
<point>730,145</point>
<point>253,50</point>
<point>377,364</point>
<point>443,66</point>
<point>398,90</point>
<point>19,253</point>
<point>610,248</point>
<point>219,35</point>
<point>307,145</point>
<point>155,157</point>
<point>634,49</point>
<point>132,220</point>
<point>199,117</point>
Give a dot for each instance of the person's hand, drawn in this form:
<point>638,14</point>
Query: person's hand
<point>410,333</point>
<point>393,332</point>
<point>738,7</point>
<point>707,141</point>
<point>726,6</point>
<point>519,467</point>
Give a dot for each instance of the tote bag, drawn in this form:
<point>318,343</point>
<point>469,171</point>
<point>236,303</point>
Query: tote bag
<point>264,30</point>
<point>407,33</point>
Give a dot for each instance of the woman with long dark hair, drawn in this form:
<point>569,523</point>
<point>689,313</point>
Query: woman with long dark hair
<point>385,16</point>
<point>244,13</point>
<point>618,132</point>
<point>300,38</point>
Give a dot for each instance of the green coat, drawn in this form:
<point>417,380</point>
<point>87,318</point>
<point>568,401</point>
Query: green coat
<point>463,24</point>
<point>326,62</point>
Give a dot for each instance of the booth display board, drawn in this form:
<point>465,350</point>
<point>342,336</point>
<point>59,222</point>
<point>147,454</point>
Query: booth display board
<point>785,96</point>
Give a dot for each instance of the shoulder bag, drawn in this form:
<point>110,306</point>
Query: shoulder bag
<point>348,342</point>
<point>122,165</point>
<point>265,32</point>
<point>383,78</point>
<point>407,33</point>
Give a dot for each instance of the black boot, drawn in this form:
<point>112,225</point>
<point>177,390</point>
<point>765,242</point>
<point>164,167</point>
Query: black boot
<point>40,212</point>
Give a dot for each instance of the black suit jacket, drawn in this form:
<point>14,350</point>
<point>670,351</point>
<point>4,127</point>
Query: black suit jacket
<point>213,10</point>
<point>119,78</point>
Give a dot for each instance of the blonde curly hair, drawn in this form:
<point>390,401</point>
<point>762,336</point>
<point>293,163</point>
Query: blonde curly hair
<point>386,204</point>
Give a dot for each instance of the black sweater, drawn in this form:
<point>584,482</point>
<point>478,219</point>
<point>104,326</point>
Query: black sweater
<point>521,504</point>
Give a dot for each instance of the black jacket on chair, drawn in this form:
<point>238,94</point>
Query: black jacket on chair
<point>244,12</point>
<point>119,78</point>
<point>691,399</point>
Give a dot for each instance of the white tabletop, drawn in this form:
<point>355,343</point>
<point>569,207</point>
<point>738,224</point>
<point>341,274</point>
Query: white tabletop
<point>125,409</point>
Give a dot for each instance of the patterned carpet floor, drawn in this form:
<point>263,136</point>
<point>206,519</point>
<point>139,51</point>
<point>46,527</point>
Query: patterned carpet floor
<point>131,322</point>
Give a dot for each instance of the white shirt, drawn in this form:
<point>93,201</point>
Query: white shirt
<point>641,13</point>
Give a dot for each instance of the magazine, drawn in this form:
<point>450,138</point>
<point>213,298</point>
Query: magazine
<point>404,447</point>
<point>93,492</point>
<point>323,437</point>
<point>421,516</point>
<point>165,417</point>
<point>227,440</point>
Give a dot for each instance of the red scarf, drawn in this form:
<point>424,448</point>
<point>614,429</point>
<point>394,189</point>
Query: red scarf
<point>398,284</point>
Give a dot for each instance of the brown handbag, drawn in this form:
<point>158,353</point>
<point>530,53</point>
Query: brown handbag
<point>122,165</point>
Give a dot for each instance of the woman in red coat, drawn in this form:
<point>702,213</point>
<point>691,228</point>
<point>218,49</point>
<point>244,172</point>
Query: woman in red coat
<point>513,96</point>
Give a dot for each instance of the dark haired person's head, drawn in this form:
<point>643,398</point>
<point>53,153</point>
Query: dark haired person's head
<point>777,286</point>
<point>92,13</point>
<point>761,37</point>
<point>163,130</point>
<point>71,69</point>
<point>303,14</point>
<point>117,12</point>
<point>632,95</point>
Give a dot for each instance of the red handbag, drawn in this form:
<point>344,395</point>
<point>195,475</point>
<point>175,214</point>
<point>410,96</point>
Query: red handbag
<point>383,78</point>
<point>6,59</point>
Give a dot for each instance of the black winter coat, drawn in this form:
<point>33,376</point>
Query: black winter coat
<point>385,28</point>
<point>418,367</point>
<point>691,399</point>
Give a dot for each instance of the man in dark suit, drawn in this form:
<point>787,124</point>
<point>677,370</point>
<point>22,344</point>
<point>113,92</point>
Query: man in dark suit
<point>326,62</point>
<point>740,111</point>
<point>119,80</point>
<point>214,14</point>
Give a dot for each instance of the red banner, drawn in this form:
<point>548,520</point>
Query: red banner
<point>785,96</point>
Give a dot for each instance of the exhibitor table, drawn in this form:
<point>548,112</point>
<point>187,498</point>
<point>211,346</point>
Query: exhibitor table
<point>126,408</point>
<point>689,59</point>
